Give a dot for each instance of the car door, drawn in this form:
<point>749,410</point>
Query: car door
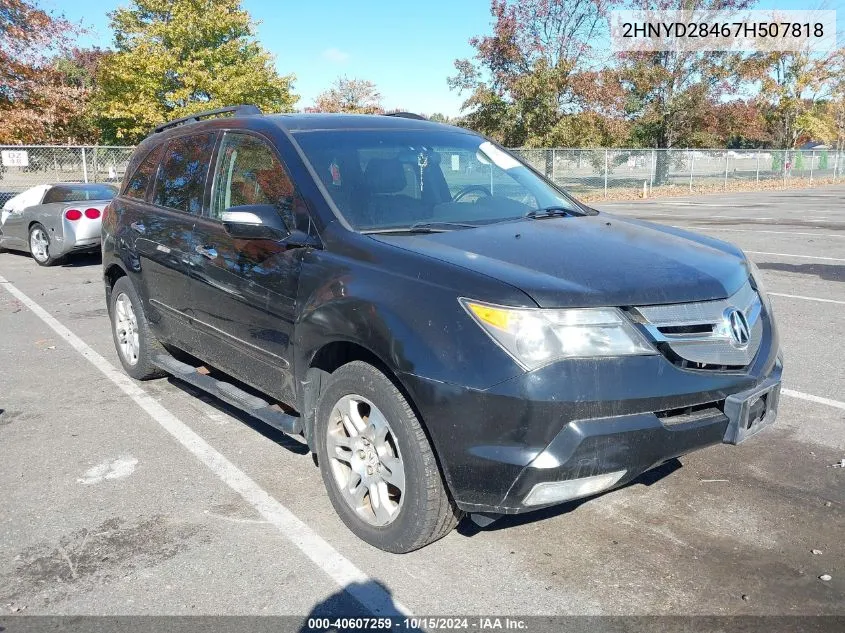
<point>163,227</point>
<point>244,294</point>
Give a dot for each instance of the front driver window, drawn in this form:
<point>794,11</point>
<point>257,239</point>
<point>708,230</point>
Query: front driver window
<point>248,172</point>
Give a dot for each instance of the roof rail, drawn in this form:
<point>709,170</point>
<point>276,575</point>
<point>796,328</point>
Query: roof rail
<point>238,110</point>
<point>406,115</point>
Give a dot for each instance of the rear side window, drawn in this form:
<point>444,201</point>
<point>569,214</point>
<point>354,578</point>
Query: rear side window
<point>180,184</point>
<point>78,193</point>
<point>137,185</point>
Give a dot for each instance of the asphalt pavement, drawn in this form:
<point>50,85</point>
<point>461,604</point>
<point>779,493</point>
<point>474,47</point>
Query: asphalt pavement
<point>131,498</point>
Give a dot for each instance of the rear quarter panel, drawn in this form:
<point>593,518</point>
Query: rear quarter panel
<point>48,215</point>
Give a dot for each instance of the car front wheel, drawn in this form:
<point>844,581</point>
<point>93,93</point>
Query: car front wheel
<point>377,463</point>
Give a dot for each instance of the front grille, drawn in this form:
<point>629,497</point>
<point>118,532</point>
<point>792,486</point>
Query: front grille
<point>700,334</point>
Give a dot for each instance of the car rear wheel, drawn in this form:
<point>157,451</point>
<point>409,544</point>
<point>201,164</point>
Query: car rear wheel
<point>39,246</point>
<point>136,346</point>
<point>377,464</point>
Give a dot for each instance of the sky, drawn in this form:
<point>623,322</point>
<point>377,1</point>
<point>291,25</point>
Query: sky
<point>406,48</point>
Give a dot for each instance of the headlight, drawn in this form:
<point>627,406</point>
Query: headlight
<point>536,337</point>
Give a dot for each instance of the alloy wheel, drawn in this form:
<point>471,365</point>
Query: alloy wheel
<point>365,460</point>
<point>126,329</point>
<point>39,245</point>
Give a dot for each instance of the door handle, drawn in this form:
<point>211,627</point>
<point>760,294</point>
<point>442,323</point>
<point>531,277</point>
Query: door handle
<point>206,251</point>
<point>138,227</point>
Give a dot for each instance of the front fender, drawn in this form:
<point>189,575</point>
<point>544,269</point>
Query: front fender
<point>414,325</point>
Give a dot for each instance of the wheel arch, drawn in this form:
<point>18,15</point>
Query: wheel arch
<point>111,274</point>
<point>31,224</point>
<point>335,354</point>
<point>330,357</point>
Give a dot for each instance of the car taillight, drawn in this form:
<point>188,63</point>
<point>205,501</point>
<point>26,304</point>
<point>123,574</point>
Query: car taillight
<point>73,214</point>
<point>92,214</point>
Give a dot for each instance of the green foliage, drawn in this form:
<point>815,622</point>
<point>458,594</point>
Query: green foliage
<point>439,117</point>
<point>533,71</point>
<point>792,85</point>
<point>177,57</point>
<point>42,94</point>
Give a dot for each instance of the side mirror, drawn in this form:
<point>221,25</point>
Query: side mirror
<point>301,239</point>
<point>254,221</point>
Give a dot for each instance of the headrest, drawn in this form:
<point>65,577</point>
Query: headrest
<point>385,175</point>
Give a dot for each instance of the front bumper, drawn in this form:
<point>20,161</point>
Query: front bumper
<point>634,444</point>
<point>583,418</point>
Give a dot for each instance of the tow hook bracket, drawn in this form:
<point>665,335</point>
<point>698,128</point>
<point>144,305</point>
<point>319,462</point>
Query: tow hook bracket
<point>484,519</point>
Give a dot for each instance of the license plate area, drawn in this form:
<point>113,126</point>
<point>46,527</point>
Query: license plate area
<point>750,412</point>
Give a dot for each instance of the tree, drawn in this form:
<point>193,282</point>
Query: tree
<point>176,57</point>
<point>794,85</point>
<point>349,95</point>
<point>836,105</point>
<point>671,93</point>
<point>38,103</point>
<point>75,74</point>
<point>528,75</point>
<point>439,117</point>
<point>738,124</point>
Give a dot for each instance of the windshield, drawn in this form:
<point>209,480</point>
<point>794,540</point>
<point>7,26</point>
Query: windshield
<point>388,179</point>
<point>78,193</point>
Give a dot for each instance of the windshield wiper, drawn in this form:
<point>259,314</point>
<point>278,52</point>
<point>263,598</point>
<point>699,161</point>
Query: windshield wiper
<point>434,225</point>
<point>424,227</point>
<point>551,212</point>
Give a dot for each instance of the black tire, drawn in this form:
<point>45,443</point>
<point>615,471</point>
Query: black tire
<point>50,260</point>
<point>148,346</point>
<point>427,512</point>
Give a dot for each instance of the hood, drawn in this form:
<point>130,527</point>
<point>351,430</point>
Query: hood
<point>600,260</point>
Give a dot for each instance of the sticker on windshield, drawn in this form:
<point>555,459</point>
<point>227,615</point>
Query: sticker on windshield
<point>334,170</point>
<point>497,156</point>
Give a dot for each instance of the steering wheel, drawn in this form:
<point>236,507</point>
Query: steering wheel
<point>470,189</point>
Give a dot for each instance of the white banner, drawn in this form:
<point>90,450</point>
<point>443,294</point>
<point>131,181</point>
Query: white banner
<point>14,158</point>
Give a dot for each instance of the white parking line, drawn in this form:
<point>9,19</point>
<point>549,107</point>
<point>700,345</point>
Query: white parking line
<point>828,259</point>
<point>811,398</point>
<point>321,553</point>
<point>783,294</point>
<point>714,217</point>
<point>751,218</point>
<point>700,227</point>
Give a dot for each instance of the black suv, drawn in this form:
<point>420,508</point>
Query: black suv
<point>447,330</point>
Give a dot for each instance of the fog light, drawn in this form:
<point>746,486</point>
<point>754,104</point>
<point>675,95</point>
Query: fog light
<point>557,491</point>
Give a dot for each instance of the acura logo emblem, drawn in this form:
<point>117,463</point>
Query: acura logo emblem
<point>737,326</point>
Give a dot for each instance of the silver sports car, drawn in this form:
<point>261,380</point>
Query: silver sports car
<point>51,221</point>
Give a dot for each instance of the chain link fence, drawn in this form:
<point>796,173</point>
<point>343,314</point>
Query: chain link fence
<point>22,166</point>
<point>626,173</point>
<point>588,173</point>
